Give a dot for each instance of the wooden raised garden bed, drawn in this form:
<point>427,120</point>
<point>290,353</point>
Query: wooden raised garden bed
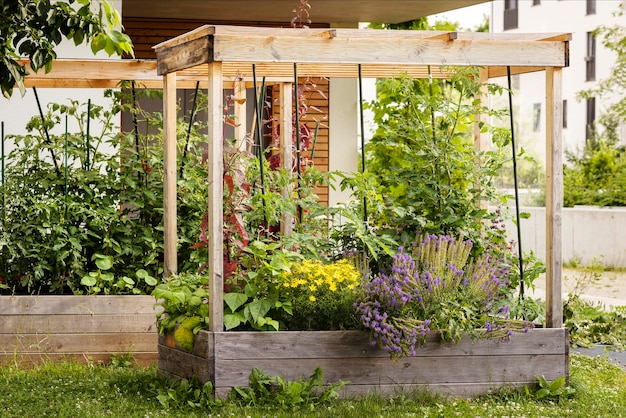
<point>464,369</point>
<point>35,329</point>
<point>226,56</point>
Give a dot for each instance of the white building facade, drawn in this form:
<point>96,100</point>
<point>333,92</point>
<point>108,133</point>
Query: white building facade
<point>590,62</point>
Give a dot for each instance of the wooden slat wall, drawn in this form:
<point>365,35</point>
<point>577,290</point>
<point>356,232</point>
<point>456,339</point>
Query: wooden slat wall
<point>35,329</point>
<point>465,369</point>
<point>317,98</point>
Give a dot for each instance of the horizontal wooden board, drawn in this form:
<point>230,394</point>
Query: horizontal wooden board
<point>348,344</point>
<point>184,365</point>
<point>70,324</point>
<point>28,360</point>
<point>468,369</point>
<point>72,304</point>
<point>462,390</point>
<point>78,343</point>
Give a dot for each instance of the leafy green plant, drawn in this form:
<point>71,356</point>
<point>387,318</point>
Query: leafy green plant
<point>275,390</point>
<point>183,297</point>
<point>551,391</point>
<point>72,202</point>
<point>187,393</point>
<point>425,161</point>
<point>590,324</point>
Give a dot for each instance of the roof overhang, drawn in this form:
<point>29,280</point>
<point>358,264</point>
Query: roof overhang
<point>322,11</point>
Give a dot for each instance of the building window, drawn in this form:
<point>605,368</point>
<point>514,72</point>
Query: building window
<point>591,57</point>
<point>591,7</point>
<point>564,114</point>
<point>536,117</point>
<point>510,14</point>
<point>591,117</point>
<point>536,2</point>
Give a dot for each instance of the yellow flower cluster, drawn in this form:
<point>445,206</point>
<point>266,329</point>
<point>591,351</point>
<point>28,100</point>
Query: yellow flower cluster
<point>314,276</point>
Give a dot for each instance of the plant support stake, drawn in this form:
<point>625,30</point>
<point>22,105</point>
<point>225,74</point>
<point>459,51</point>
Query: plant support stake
<point>365,216</point>
<point>191,118</point>
<point>45,130</point>
<point>517,216</point>
<point>259,100</point>
<point>87,145</point>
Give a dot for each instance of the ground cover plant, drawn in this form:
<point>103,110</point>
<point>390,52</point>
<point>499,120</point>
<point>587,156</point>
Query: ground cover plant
<point>90,390</point>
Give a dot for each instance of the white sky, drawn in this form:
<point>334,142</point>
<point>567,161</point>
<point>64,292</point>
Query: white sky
<point>468,17</point>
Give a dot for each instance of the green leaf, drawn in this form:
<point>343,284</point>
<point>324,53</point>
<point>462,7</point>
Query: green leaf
<point>88,281</point>
<point>258,308</point>
<point>103,262</point>
<point>231,321</point>
<point>235,300</point>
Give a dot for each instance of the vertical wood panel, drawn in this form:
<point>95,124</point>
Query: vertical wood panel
<point>239,92</point>
<point>216,197</point>
<point>170,263</point>
<point>554,197</point>
<point>286,147</point>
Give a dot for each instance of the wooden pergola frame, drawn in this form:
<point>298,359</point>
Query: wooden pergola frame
<point>217,53</point>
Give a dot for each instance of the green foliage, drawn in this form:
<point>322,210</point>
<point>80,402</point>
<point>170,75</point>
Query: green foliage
<point>184,299</point>
<point>425,160</point>
<point>264,389</point>
<point>555,390</point>
<point>591,324</point>
<point>33,28</point>
<point>187,393</point>
<point>56,228</point>
<point>597,177</point>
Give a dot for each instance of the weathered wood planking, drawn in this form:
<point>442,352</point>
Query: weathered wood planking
<point>464,369</point>
<point>34,329</point>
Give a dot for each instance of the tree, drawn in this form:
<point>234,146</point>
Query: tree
<point>33,28</point>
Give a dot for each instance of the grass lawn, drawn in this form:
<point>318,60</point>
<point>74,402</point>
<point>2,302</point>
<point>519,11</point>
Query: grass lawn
<point>79,390</point>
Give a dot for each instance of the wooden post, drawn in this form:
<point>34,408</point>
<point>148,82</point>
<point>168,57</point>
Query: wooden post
<point>241,132</point>
<point>481,142</point>
<point>554,196</point>
<point>286,147</point>
<point>170,263</point>
<point>215,166</point>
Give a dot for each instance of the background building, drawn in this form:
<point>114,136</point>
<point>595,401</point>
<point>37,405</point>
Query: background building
<point>589,63</point>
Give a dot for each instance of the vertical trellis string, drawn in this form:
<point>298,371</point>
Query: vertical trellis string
<point>2,164</point>
<point>191,118</point>
<point>87,145</point>
<point>259,101</point>
<point>517,215</point>
<point>361,113</point>
<point>297,110</point>
<point>45,130</point>
<point>65,161</point>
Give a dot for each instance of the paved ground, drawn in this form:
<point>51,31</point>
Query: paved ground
<point>609,289</point>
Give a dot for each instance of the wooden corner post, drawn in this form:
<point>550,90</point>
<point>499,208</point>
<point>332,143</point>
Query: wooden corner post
<point>215,166</point>
<point>554,197</point>
<point>286,147</point>
<point>170,262</point>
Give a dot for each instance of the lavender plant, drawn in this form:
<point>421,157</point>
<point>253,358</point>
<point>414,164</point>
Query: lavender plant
<point>436,285</point>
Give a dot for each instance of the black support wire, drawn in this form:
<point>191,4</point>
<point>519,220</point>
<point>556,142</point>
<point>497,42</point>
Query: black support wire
<point>517,215</point>
<point>45,130</point>
<point>191,118</point>
<point>259,101</point>
<point>297,110</point>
